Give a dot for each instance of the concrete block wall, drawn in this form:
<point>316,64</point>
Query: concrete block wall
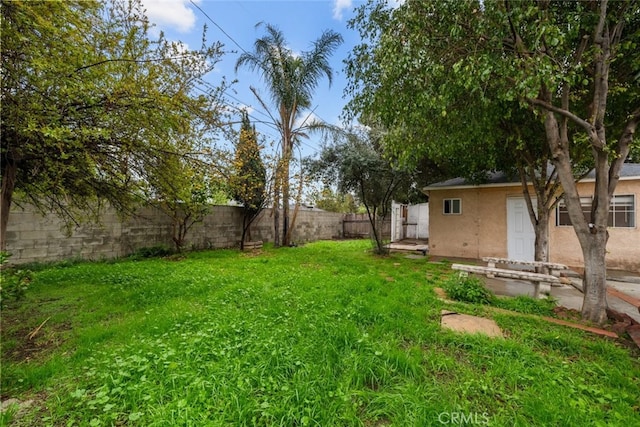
<point>32,237</point>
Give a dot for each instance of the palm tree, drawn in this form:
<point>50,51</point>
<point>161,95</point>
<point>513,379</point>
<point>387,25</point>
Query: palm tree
<point>291,80</point>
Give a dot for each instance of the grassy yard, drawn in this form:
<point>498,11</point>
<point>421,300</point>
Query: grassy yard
<point>320,335</point>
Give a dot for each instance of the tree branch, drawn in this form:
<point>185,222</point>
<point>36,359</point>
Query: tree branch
<point>565,113</point>
<point>137,61</point>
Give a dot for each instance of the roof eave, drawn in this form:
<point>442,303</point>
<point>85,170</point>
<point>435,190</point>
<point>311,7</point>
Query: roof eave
<point>505,184</point>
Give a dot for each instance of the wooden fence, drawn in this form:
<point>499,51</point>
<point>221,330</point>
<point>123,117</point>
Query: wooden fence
<point>358,225</point>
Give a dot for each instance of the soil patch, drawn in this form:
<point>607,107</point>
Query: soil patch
<point>469,324</point>
<point>23,343</point>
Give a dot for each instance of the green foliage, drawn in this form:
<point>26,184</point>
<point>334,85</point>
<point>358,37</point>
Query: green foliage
<point>332,201</point>
<point>468,289</point>
<point>527,305</point>
<point>182,187</point>
<point>461,287</point>
<point>451,79</point>
<point>151,252</point>
<point>91,101</point>
<point>14,283</point>
<point>226,337</point>
<point>356,164</point>
<point>291,78</point>
<point>8,414</point>
<point>248,182</point>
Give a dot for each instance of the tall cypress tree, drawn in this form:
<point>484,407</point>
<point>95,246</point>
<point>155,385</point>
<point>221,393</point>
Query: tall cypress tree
<point>248,182</point>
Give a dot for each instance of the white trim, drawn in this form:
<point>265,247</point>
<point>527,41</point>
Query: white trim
<point>590,198</point>
<point>467,186</point>
<point>452,199</point>
<point>635,210</point>
<point>562,202</point>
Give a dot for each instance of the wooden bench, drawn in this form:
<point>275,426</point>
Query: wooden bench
<point>541,282</point>
<point>552,267</point>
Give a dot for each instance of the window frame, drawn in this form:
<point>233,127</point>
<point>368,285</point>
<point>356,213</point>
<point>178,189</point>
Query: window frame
<point>586,202</point>
<point>451,201</point>
<point>631,212</point>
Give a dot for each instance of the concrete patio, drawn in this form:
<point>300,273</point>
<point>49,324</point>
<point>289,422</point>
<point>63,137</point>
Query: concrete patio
<point>570,296</point>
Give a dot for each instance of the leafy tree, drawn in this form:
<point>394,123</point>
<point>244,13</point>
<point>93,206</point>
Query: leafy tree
<point>386,81</point>
<point>248,182</point>
<point>291,80</point>
<point>89,101</point>
<point>334,201</point>
<point>183,187</point>
<point>356,164</point>
<point>570,65</point>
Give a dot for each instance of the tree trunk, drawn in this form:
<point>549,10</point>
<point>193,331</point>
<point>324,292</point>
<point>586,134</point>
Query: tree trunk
<point>8,185</point>
<point>244,231</point>
<point>248,217</point>
<point>542,236</point>
<point>276,216</point>
<point>375,230</point>
<point>285,198</point>
<point>538,214</point>
<point>178,233</point>
<point>247,236</point>
<point>592,236</point>
<point>594,284</point>
<point>292,224</point>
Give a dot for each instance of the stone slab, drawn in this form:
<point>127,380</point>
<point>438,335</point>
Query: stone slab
<point>466,323</point>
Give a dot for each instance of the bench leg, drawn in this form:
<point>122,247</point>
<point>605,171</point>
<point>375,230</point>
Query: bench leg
<point>542,289</point>
<point>491,265</point>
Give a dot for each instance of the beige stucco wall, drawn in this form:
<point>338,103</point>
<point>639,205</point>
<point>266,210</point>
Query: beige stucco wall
<point>481,229</point>
<point>623,248</point>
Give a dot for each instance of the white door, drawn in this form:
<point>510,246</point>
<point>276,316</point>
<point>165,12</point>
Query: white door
<point>418,221</point>
<point>396,222</point>
<point>521,237</point>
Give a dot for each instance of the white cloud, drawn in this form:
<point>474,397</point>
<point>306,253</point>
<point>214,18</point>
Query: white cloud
<point>339,6</point>
<point>248,108</point>
<point>394,4</point>
<point>174,14</point>
<point>307,120</point>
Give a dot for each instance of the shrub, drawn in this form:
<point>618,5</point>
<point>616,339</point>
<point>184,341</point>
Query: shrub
<point>152,252</point>
<point>468,289</point>
<point>15,282</point>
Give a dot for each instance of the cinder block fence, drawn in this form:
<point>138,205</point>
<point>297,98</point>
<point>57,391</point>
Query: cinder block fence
<point>32,237</point>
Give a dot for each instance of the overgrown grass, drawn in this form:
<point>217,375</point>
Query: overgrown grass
<point>460,287</point>
<point>325,334</point>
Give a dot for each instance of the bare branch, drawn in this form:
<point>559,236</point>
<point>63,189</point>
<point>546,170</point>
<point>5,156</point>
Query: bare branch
<point>565,113</point>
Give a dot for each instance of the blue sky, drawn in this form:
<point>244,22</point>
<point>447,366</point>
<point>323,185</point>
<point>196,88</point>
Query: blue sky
<point>301,21</point>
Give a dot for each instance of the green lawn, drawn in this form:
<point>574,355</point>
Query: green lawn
<point>325,334</point>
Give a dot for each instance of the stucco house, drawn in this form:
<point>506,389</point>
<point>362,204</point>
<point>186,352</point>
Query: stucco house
<point>491,219</point>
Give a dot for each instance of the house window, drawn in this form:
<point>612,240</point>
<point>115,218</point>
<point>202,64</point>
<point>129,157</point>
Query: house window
<point>621,212</point>
<point>562,213</point>
<point>452,207</point>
